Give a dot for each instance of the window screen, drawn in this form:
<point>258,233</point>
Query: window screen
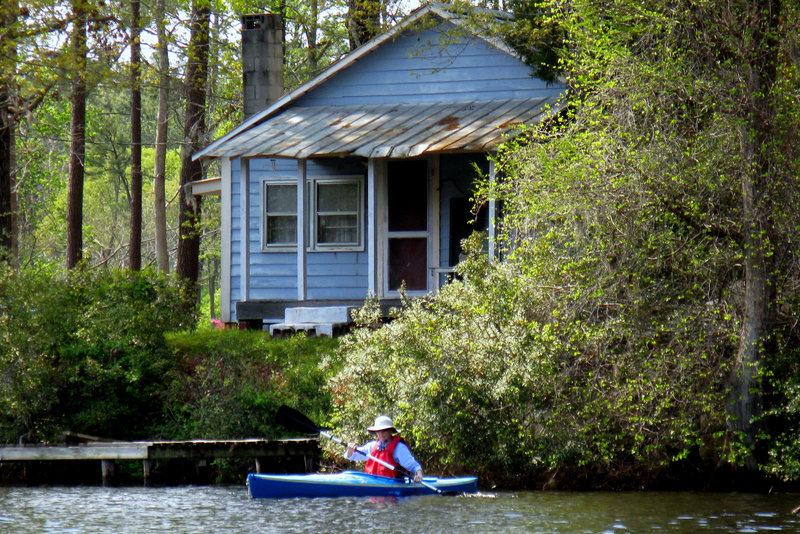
<point>281,214</point>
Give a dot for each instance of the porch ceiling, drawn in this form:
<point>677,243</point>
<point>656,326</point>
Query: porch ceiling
<point>376,131</point>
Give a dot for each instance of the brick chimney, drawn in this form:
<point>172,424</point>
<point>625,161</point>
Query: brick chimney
<point>262,61</point>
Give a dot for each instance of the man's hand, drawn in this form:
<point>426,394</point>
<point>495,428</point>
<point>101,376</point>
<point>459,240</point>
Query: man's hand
<point>418,476</point>
<point>351,448</point>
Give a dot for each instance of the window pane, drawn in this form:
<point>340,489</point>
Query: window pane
<point>281,230</point>
<point>281,214</point>
<point>282,198</point>
<point>408,196</point>
<point>337,197</point>
<point>337,229</point>
<point>407,263</point>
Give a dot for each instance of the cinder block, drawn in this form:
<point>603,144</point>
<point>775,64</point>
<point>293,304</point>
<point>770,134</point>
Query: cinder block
<point>312,329</point>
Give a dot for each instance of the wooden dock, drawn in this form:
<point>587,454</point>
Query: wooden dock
<point>107,452</point>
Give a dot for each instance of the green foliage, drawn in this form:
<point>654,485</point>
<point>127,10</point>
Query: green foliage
<point>784,446</point>
<point>230,383</point>
<point>637,210</point>
<point>536,36</point>
<point>99,352</point>
<point>608,337</point>
<point>84,352</point>
<point>500,374</point>
<point>782,418</point>
<point>456,372</point>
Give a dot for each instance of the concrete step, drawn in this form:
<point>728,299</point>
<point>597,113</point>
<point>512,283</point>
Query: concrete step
<point>322,321</point>
<point>322,314</point>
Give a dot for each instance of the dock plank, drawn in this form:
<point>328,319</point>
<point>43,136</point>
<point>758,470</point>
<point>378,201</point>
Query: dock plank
<point>129,451</point>
<point>155,450</point>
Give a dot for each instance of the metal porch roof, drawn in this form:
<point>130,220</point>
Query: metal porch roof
<point>375,131</point>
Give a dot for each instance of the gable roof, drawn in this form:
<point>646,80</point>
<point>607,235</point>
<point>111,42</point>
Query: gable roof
<point>286,129</point>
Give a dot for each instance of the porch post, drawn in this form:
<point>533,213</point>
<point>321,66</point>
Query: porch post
<point>492,215</point>
<point>376,222</point>
<point>301,229</point>
<point>433,223</point>
<point>372,221</point>
<point>225,242</point>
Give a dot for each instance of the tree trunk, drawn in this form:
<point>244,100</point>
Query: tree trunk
<point>745,397</point>
<point>135,242</point>
<point>6,140</point>
<point>77,138</point>
<point>312,54</point>
<point>159,194</point>
<point>757,140</point>
<point>212,288</point>
<point>194,127</point>
<point>7,126</point>
<point>363,21</point>
<point>15,214</point>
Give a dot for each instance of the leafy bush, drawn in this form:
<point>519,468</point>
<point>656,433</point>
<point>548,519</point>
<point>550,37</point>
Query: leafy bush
<point>230,383</point>
<point>456,372</point>
<point>84,352</point>
<point>782,418</point>
<point>110,354</point>
<point>503,374</point>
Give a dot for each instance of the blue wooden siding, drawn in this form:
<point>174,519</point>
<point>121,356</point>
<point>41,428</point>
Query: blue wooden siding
<point>273,274</point>
<point>337,275</point>
<point>414,68</point>
<point>329,275</point>
<point>235,252</point>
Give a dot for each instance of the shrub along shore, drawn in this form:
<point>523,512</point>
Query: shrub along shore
<point>473,386</point>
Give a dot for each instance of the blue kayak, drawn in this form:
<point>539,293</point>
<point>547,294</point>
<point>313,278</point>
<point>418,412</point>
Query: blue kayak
<point>350,484</point>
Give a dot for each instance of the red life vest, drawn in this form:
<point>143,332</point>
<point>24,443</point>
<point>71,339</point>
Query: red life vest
<point>387,455</point>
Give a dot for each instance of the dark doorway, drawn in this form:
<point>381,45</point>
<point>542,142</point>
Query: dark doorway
<point>407,225</point>
<point>462,223</point>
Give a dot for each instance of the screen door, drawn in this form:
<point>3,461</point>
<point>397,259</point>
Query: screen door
<point>407,228</point>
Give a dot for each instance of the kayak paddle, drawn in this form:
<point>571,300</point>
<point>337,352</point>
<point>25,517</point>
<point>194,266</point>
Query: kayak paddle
<point>291,418</point>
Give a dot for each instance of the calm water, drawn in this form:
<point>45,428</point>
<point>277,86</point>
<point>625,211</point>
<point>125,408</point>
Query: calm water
<point>229,509</point>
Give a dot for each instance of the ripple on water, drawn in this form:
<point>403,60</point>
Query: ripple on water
<point>228,508</point>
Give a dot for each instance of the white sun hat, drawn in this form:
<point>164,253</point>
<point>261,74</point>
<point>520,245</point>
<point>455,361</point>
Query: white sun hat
<point>382,422</point>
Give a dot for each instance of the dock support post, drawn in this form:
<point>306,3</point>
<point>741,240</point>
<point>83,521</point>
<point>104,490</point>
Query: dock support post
<point>147,469</point>
<point>107,468</point>
<point>258,465</point>
<point>309,463</point>
<point>30,471</point>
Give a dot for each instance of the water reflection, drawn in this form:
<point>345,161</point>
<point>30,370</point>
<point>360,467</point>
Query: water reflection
<point>229,509</point>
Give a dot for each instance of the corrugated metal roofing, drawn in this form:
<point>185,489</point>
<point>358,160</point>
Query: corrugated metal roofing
<point>375,131</point>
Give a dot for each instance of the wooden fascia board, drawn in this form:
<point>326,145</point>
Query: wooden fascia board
<point>209,186</point>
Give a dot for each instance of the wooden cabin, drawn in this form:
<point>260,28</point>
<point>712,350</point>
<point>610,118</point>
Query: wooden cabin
<point>359,181</point>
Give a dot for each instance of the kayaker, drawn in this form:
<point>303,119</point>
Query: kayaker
<point>387,446</point>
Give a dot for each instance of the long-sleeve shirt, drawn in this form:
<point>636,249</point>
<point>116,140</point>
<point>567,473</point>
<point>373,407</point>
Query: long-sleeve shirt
<point>402,455</point>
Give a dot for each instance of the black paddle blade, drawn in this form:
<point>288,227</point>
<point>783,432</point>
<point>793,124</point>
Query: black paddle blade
<point>292,419</point>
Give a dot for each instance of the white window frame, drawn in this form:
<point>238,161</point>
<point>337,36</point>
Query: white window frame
<point>275,247</point>
<point>313,185</point>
